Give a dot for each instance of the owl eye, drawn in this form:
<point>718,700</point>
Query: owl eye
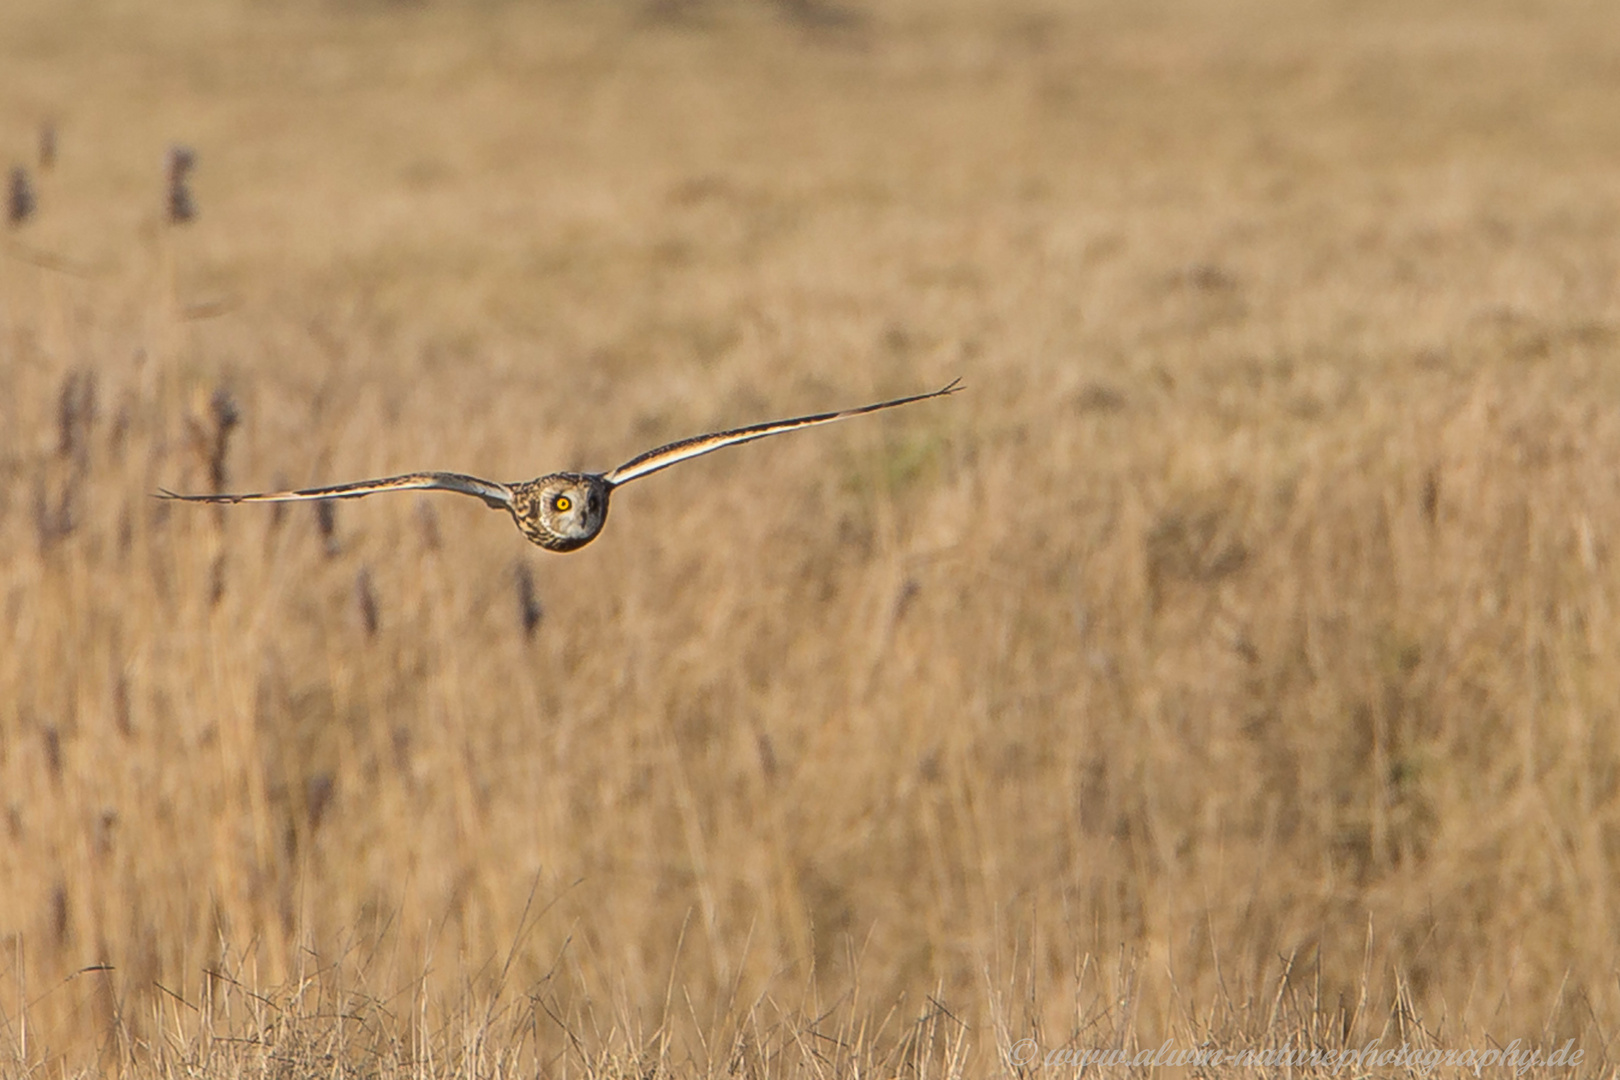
<point>563,504</point>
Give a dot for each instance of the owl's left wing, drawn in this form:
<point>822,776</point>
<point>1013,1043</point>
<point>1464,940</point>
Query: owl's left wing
<point>686,449</point>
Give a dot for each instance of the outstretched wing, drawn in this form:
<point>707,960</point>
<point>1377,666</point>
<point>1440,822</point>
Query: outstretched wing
<point>496,495</point>
<point>665,456</point>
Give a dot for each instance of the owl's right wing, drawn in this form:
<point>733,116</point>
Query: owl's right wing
<point>496,495</point>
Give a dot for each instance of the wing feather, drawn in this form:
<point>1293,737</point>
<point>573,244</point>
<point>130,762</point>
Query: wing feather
<point>665,456</point>
<point>495,494</point>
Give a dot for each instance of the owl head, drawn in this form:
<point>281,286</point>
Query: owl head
<point>562,511</point>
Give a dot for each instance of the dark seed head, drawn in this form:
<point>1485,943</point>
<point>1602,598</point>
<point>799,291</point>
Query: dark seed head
<point>182,208</point>
<point>366,599</point>
<point>318,792</point>
<point>75,410</point>
<point>53,752</point>
<point>223,409</point>
<point>529,610</point>
<point>20,201</point>
<point>326,522</point>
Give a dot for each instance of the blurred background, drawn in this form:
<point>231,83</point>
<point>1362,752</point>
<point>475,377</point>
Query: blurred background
<point>1233,661</point>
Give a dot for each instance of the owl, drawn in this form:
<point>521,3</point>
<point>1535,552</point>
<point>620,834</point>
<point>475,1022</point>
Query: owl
<point>564,511</point>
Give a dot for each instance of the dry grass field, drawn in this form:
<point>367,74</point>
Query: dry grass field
<point>1234,663</point>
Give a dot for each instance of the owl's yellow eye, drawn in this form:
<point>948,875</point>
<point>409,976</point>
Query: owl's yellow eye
<point>563,504</point>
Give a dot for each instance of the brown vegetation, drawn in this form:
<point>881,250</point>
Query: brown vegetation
<point>1234,661</point>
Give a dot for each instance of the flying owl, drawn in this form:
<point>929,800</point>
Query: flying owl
<point>564,511</point>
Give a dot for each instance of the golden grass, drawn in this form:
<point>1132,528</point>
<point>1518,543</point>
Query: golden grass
<point>1235,661</point>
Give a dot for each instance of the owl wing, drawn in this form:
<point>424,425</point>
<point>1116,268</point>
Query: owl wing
<point>665,456</point>
<point>496,495</point>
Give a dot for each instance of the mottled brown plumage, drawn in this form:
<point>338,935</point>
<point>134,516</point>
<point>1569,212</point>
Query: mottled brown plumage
<point>563,511</point>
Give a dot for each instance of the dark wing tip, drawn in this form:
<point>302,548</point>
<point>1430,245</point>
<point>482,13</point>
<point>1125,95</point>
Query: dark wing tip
<point>166,494</point>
